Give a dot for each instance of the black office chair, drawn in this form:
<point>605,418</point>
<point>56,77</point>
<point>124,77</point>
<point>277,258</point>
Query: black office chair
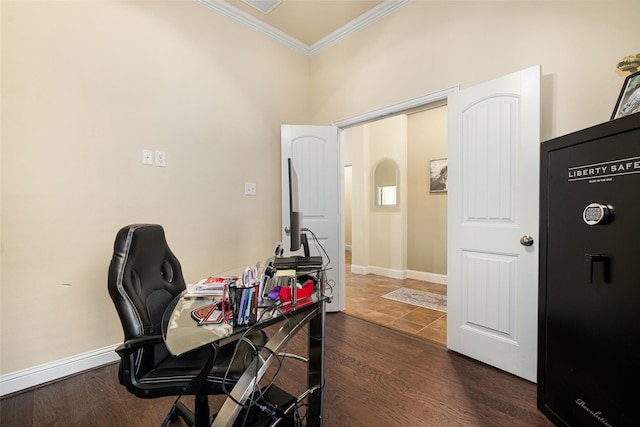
<point>144,277</point>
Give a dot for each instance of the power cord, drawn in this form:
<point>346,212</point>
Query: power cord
<point>317,244</point>
<point>257,390</point>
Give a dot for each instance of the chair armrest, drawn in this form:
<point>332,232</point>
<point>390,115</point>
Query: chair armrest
<point>136,343</point>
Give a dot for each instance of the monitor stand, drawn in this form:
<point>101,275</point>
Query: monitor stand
<point>299,262</point>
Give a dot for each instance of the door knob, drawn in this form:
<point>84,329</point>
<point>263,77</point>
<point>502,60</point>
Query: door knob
<point>526,240</point>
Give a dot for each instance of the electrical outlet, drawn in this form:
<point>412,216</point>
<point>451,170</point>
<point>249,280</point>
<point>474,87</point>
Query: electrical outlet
<point>250,189</point>
<point>161,159</point>
<point>147,157</point>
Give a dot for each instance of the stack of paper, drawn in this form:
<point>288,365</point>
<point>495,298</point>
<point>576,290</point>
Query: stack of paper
<point>211,286</point>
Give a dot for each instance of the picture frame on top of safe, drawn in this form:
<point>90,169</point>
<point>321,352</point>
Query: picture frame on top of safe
<point>629,98</point>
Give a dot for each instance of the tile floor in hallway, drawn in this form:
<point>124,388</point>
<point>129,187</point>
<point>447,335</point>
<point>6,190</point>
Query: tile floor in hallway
<point>364,300</point>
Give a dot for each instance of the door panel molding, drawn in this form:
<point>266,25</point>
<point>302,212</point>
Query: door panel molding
<point>489,291</point>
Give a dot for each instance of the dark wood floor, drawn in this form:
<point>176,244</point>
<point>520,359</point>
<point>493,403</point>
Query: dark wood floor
<point>374,377</point>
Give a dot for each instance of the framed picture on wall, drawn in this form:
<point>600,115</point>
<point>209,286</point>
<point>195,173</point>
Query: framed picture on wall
<point>629,99</point>
<point>438,176</point>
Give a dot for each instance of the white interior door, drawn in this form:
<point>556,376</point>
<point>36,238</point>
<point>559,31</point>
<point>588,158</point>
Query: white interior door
<point>315,155</point>
<point>494,151</point>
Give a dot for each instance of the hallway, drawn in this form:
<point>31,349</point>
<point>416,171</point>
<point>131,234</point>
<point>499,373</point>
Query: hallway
<point>364,300</point>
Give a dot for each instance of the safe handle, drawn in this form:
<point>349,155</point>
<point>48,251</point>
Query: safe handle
<point>589,260</point>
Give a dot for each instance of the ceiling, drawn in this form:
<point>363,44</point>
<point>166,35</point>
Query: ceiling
<point>306,26</point>
<point>308,20</point>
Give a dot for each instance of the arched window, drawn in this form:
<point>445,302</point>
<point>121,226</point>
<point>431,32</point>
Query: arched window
<point>385,183</point>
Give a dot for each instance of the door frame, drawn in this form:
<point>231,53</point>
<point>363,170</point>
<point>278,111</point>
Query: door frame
<point>432,99</point>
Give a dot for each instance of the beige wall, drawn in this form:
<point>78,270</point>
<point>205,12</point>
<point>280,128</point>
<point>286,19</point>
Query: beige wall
<point>382,245</point>
<point>378,234</point>
<point>387,226</point>
<point>354,144</point>
<point>346,159</point>
<point>427,46</point>
<point>86,86</point>
<point>347,206</point>
<point>426,211</point>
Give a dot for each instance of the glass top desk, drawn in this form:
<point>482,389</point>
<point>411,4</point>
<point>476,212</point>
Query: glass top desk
<point>183,334</point>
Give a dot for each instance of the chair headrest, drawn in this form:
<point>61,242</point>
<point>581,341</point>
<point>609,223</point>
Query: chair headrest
<point>144,276</point>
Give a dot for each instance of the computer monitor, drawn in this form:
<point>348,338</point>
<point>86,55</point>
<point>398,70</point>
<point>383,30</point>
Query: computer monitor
<point>297,236</point>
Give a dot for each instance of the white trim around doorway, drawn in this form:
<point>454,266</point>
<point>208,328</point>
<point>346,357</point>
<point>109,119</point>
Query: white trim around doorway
<point>433,98</point>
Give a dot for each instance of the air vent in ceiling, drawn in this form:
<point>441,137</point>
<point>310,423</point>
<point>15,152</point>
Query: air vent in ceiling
<point>264,6</point>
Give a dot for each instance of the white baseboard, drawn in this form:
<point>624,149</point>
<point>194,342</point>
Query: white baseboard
<point>37,375</point>
<point>358,269</point>
<point>427,277</point>
<point>386,272</point>
<point>30,377</point>
<point>400,274</point>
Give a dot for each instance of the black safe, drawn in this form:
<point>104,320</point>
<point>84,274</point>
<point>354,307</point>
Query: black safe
<point>589,293</point>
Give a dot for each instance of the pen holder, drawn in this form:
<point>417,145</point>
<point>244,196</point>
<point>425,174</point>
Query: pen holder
<point>244,301</point>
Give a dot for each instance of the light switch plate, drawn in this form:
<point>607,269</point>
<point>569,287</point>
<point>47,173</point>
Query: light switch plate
<point>250,189</point>
<point>147,157</point>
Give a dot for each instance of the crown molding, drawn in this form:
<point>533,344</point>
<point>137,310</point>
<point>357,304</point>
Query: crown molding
<point>255,24</point>
<point>387,7</point>
<point>383,9</point>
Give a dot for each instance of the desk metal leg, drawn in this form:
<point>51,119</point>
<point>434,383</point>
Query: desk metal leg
<point>316,369</point>
<point>253,374</point>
